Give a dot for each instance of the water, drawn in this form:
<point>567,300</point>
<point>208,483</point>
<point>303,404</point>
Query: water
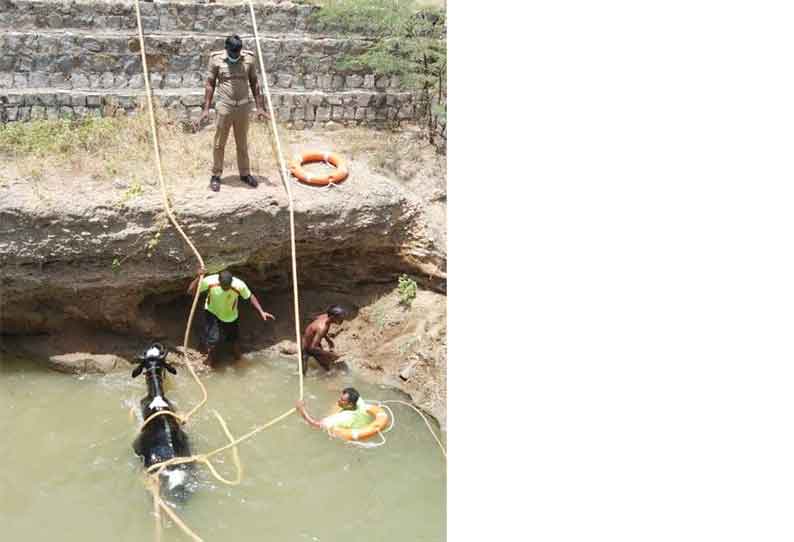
<point>69,472</point>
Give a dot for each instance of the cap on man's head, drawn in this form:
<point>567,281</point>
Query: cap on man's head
<point>234,44</point>
<point>225,278</point>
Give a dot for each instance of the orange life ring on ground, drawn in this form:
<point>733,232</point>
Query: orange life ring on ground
<point>295,167</point>
<point>375,426</point>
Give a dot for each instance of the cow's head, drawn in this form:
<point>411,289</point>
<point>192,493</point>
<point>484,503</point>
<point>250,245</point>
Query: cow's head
<point>153,361</point>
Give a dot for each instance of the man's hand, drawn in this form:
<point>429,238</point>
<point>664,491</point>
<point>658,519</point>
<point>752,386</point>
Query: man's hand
<point>266,316</point>
<point>261,115</point>
<point>300,405</point>
<point>199,121</point>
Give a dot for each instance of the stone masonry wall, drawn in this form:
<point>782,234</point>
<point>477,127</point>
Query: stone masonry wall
<point>76,58</point>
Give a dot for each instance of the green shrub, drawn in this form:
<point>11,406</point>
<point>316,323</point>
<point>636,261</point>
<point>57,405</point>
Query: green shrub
<point>65,136</point>
<point>406,287</point>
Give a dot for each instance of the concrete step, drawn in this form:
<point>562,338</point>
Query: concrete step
<point>298,108</point>
<point>66,59</point>
<point>106,16</point>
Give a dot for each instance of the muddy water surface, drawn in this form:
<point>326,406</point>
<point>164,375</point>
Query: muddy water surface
<point>69,473</point>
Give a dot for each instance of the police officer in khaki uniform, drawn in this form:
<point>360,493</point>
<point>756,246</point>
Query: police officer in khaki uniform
<point>232,71</point>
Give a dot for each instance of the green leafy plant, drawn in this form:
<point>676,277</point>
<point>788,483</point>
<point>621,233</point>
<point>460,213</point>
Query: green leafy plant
<point>409,41</point>
<point>406,287</point>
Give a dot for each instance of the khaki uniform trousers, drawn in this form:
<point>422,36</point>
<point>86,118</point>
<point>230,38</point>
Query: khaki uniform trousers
<point>236,118</point>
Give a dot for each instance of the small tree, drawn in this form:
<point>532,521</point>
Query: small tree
<point>409,42</point>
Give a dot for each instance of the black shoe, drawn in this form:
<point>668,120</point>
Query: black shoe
<point>250,180</point>
<point>215,183</point>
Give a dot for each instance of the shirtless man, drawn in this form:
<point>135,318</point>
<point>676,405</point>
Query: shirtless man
<point>316,332</point>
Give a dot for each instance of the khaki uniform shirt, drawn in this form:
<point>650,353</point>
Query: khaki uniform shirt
<point>232,81</point>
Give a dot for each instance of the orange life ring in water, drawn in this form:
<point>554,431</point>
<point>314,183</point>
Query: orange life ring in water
<point>295,167</point>
<point>374,427</point>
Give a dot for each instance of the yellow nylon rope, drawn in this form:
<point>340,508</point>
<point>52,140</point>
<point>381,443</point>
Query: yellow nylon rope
<point>289,195</point>
<point>171,216</point>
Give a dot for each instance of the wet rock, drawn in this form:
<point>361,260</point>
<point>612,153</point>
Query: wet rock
<point>82,362</point>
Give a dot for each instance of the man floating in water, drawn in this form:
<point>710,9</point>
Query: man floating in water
<point>353,413</point>
<point>316,332</point>
<point>220,311</point>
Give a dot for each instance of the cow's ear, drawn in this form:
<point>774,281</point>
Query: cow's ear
<point>137,370</point>
<point>169,368</point>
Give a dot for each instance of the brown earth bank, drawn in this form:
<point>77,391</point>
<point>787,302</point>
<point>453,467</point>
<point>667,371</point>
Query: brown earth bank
<point>90,269</point>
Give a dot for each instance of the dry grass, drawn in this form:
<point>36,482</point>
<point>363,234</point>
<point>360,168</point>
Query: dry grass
<point>121,147</point>
<point>52,153</point>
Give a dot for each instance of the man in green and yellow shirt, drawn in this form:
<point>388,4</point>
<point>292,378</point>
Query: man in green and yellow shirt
<point>220,310</point>
<point>353,413</point>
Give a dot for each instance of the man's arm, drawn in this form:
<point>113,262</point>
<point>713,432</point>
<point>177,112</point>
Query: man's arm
<point>301,407</point>
<point>191,290</point>
<point>256,90</point>
<point>209,92</point>
<point>327,338</point>
<point>265,315</point>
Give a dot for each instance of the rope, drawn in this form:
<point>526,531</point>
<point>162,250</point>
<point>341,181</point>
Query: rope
<point>427,423</point>
<point>170,214</point>
<point>289,196</point>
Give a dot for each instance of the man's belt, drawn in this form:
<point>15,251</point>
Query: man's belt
<point>235,102</point>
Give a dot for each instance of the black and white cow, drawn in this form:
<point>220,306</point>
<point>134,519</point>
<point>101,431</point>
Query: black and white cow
<point>162,438</point>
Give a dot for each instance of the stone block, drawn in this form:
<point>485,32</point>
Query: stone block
<point>283,114</point>
<point>60,81</point>
<point>324,81</point>
<point>23,113</point>
<point>308,113</point>
<point>15,99</point>
<point>323,114</point>
<point>150,23</point>
<point>284,80</point>
<point>173,80</point>
<point>315,99</point>
<point>136,81</point>
<point>168,21</point>
<point>299,125</point>
<point>11,113</point>
<point>338,82</point>
<point>192,100</point>
<point>48,99</point>
<point>38,112</point>
<point>121,81</point>
<point>287,99</point>
<point>78,100</point>
<point>299,100</point>
<point>371,114</point>
<point>361,113</point>
<point>20,80</point>
<point>192,79</point>
<point>369,80</point>
<point>156,80</point>
<point>309,81</point>
<point>107,80</point>
<point>113,22</point>
<point>334,99</point>
<point>354,81</point>
<point>6,80</point>
<point>38,80</point>
<point>382,81</point>
<point>406,112</point>
<point>93,100</point>
<point>64,99</point>
<point>363,99</point>
<point>394,81</point>
<point>297,113</point>
<point>92,45</point>
<point>54,20</point>
<point>337,113</point>
<point>349,113</point>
